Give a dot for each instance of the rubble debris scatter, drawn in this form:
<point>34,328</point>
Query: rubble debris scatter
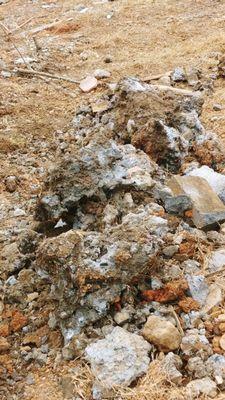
<point>125,245</point>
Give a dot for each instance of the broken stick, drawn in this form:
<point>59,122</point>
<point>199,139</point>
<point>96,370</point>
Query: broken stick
<point>47,75</point>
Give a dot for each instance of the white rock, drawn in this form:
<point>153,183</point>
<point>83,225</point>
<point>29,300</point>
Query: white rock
<point>215,366</point>
<point>25,60</point>
<point>205,386</point>
<point>198,288</point>
<point>178,75</point>
<point>207,208</point>
<point>18,212</point>
<point>88,84</point>
<point>214,297</point>
<point>6,74</point>
<point>118,359</point>
<point>214,179</point>
<point>102,73</point>
<point>121,317</point>
<point>216,260</point>
<point>60,224</point>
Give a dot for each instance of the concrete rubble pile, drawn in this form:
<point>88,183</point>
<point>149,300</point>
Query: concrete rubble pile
<point>129,239</point>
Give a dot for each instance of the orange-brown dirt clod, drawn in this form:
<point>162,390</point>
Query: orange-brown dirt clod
<point>18,321</point>
<point>172,291</point>
<point>188,304</point>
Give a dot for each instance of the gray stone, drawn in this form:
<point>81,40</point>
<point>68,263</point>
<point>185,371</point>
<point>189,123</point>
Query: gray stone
<point>215,366</point>
<point>196,367</point>
<point>179,75</point>
<point>156,283</point>
<point>178,204</point>
<point>118,359</point>
<point>198,288</point>
<point>207,208</point>
<point>191,267</point>
<point>169,251</point>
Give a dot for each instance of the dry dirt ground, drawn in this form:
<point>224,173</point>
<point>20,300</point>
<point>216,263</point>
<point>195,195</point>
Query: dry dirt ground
<point>140,37</point>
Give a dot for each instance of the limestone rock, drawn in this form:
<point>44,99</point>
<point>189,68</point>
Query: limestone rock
<point>162,333</point>
<point>198,288</point>
<point>207,207</point>
<point>102,73</point>
<point>122,316</point>
<point>214,179</point>
<point>214,298</point>
<point>216,260</point>
<point>205,386</point>
<point>118,359</point>
<point>88,84</point>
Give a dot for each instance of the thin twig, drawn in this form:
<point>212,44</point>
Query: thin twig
<point>173,312</point>
<point>23,24</point>
<point>47,75</point>
<point>155,77</point>
<point>165,88</point>
<point>210,274</point>
<point>9,34</point>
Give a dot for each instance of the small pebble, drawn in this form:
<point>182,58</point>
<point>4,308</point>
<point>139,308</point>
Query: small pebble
<point>11,183</point>
<point>88,84</point>
<point>217,107</point>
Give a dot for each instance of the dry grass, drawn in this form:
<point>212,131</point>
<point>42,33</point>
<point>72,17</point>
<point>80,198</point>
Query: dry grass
<point>153,385</point>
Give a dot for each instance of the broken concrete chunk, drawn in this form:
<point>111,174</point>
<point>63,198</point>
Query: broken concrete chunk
<point>207,209</point>
<point>162,333</point>
<point>214,179</point>
<point>205,386</point>
<point>172,365</point>
<point>215,366</point>
<point>194,343</point>
<point>88,84</point>
<point>196,367</point>
<point>118,359</point>
<point>216,260</point>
